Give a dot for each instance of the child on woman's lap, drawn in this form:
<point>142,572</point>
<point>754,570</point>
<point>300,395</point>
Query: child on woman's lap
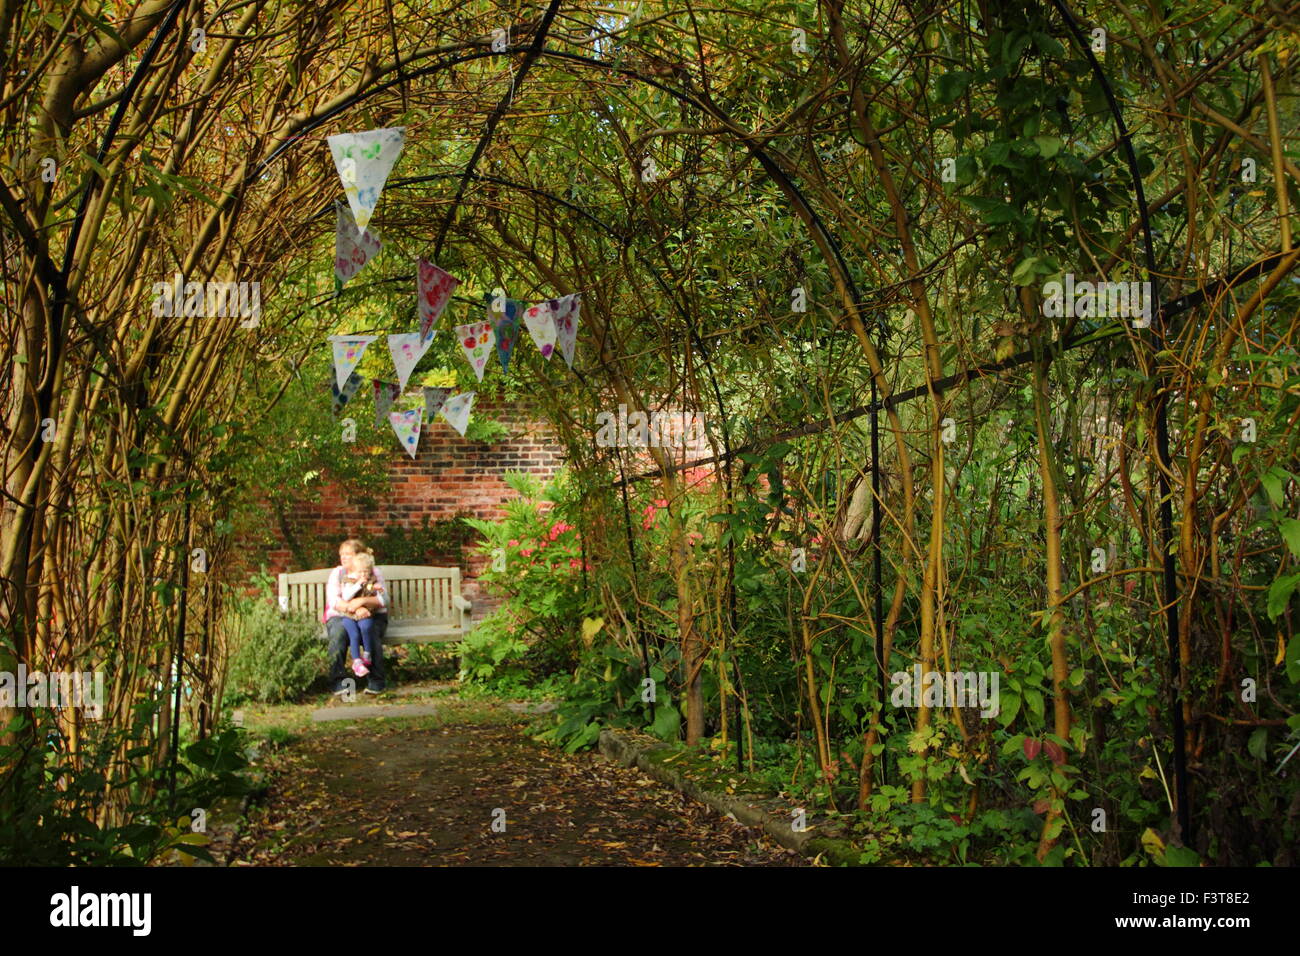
<point>360,582</point>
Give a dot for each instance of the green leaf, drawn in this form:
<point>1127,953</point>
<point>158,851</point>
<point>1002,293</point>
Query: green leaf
<point>1290,529</point>
<point>1273,486</point>
<point>197,852</point>
<point>994,211</point>
<point>1035,699</point>
<point>1013,45</point>
<point>93,164</point>
<point>104,25</point>
<point>1024,273</point>
<point>1048,45</point>
<point>1048,146</point>
<point>995,153</point>
<point>1181,856</point>
<point>667,722</point>
<point>1279,594</point>
<point>1257,746</point>
<point>778,451</point>
<point>952,85</point>
<point>1010,708</point>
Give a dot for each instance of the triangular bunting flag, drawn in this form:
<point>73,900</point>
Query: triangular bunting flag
<point>348,350</point>
<point>407,352</point>
<point>433,401</point>
<point>566,325</point>
<point>407,426</point>
<point>540,319</point>
<point>506,328</point>
<point>353,247</point>
<point>385,394</point>
<point>456,411</point>
<point>364,161</point>
<point>476,340</point>
<point>433,289</point>
<point>345,392</point>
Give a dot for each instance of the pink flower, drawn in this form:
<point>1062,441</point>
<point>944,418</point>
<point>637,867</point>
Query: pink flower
<point>574,563</point>
<point>526,552</point>
<point>514,542</point>
<point>661,502</point>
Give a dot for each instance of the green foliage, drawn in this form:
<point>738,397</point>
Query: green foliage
<point>606,690</point>
<point>485,430</point>
<point>911,833</point>
<point>278,655</point>
<point>308,454</point>
<point>535,562</point>
<point>47,815</point>
<point>431,541</point>
<point>493,652</point>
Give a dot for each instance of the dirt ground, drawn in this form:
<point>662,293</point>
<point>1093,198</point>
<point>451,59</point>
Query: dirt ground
<point>371,793</point>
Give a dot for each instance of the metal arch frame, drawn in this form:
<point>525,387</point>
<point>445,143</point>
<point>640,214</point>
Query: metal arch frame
<point>1163,464</point>
<point>770,167</point>
<point>1163,313</point>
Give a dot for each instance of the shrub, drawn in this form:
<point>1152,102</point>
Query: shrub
<point>277,656</point>
<point>535,631</point>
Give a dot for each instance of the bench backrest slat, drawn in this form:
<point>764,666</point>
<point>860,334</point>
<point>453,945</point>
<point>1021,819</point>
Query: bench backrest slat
<point>414,592</point>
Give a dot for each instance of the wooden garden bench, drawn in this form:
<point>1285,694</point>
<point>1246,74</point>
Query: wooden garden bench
<point>424,604</point>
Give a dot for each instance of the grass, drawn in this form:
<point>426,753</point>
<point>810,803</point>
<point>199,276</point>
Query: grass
<point>283,724</point>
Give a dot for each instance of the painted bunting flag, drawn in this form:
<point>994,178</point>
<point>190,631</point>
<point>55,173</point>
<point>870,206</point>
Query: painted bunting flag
<point>407,426</point>
<point>566,325</point>
<point>433,289</point>
<point>344,392</point>
<point>506,327</point>
<point>433,401</point>
<point>499,307</point>
<point>364,161</point>
<point>407,352</point>
<point>353,247</point>
<point>456,411</point>
<point>385,394</point>
<point>348,350</point>
<point>540,319</point>
<point>476,340</point>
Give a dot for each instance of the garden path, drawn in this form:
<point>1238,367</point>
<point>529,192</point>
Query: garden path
<point>436,792</point>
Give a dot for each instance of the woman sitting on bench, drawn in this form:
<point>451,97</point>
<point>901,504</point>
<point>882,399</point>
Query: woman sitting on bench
<point>365,607</point>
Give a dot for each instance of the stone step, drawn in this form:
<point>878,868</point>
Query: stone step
<point>367,711</point>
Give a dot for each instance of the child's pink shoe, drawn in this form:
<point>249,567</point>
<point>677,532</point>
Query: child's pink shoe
<point>359,668</point>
